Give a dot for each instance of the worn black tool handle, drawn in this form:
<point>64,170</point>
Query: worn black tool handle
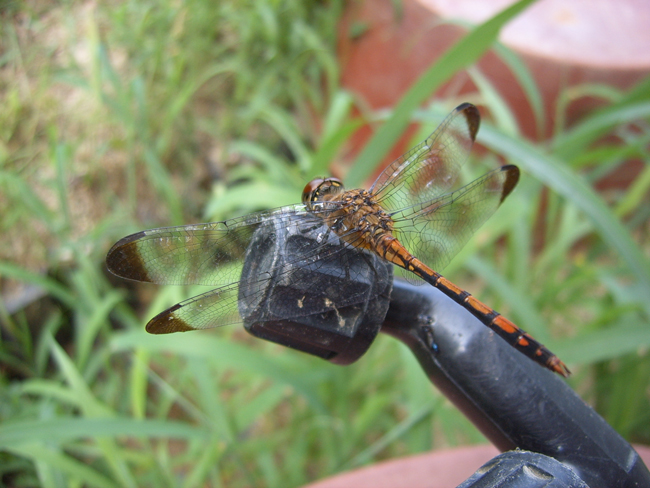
<point>512,400</point>
<point>332,304</point>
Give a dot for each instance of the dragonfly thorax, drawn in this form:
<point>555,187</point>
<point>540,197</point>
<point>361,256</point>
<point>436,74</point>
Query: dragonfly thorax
<point>360,220</point>
<point>353,215</point>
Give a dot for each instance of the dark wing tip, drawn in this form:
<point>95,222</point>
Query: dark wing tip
<point>166,322</point>
<point>512,177</point>
<point>472,116</point>
<point>124,259</point>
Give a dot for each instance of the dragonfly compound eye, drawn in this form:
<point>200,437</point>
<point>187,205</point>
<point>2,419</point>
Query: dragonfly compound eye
<point>319,190</point>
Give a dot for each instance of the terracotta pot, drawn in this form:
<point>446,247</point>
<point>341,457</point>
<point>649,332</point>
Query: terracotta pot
<point>563,43</point>
<point>440,469</point>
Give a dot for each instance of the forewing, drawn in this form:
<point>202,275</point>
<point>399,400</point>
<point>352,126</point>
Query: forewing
<point>432,168</point>
<point>204,254</point>
<point>214,254</point>
<point>435,231</point>
<point>294,295</point>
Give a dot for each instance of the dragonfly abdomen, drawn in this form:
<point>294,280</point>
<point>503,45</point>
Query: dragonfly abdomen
<point>392,250</point>
<point>506,329</point>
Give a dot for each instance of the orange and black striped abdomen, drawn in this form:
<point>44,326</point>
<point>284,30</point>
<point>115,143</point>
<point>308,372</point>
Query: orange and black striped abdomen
<point>394,252</point>
<point>512,334</point>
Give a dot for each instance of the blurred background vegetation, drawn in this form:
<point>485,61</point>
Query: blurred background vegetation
<point>122,116</point>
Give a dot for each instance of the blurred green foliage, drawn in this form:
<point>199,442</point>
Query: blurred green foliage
<point>138,114</point>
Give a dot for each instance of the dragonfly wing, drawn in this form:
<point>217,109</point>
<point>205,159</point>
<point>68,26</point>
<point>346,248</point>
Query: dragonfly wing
<point>435,231</point>
<point>283,292</point>
<point>432,168</point>
<point>212,309</point>
<point>277,265</point>
<point>204,254</point>
<point>345,279</point>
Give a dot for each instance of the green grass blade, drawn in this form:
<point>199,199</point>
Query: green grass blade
<point>61,156</point>
<point>639,93</point>
<point>61,430</point>
<point>625,337</point>
<point>224,353</point>
<point>56,289</point>
<point>89,404</point>
<point>551,171</point>
<point>92,326</point>
<point>207,461</point>
<point>22,193</point>
<point>138,383</point>
<point>248,197</point>
<point>400,429</point>
<point>52,390</point>
<point>572,142</point>
<point>636,193</point>
<point>286,127</point>
<point>526,82</point>
<point>62,462</point>
<point>465,52</point>
<point>162,181</point>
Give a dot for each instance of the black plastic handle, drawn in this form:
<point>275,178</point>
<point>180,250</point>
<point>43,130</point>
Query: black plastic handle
<point>328,299</point>
<point>513,401</point>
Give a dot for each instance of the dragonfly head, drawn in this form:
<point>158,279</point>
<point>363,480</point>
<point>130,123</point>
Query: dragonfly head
<point>321,190</point>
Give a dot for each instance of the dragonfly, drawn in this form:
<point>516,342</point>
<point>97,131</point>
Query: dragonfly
<point>413,214</point>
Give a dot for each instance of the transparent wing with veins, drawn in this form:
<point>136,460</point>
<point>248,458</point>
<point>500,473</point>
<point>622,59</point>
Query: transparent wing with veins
<point>432,222</point>
<point>193,254</point>
<point>212,254</point>
<point>431,168</point>
<point>435,231</point>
